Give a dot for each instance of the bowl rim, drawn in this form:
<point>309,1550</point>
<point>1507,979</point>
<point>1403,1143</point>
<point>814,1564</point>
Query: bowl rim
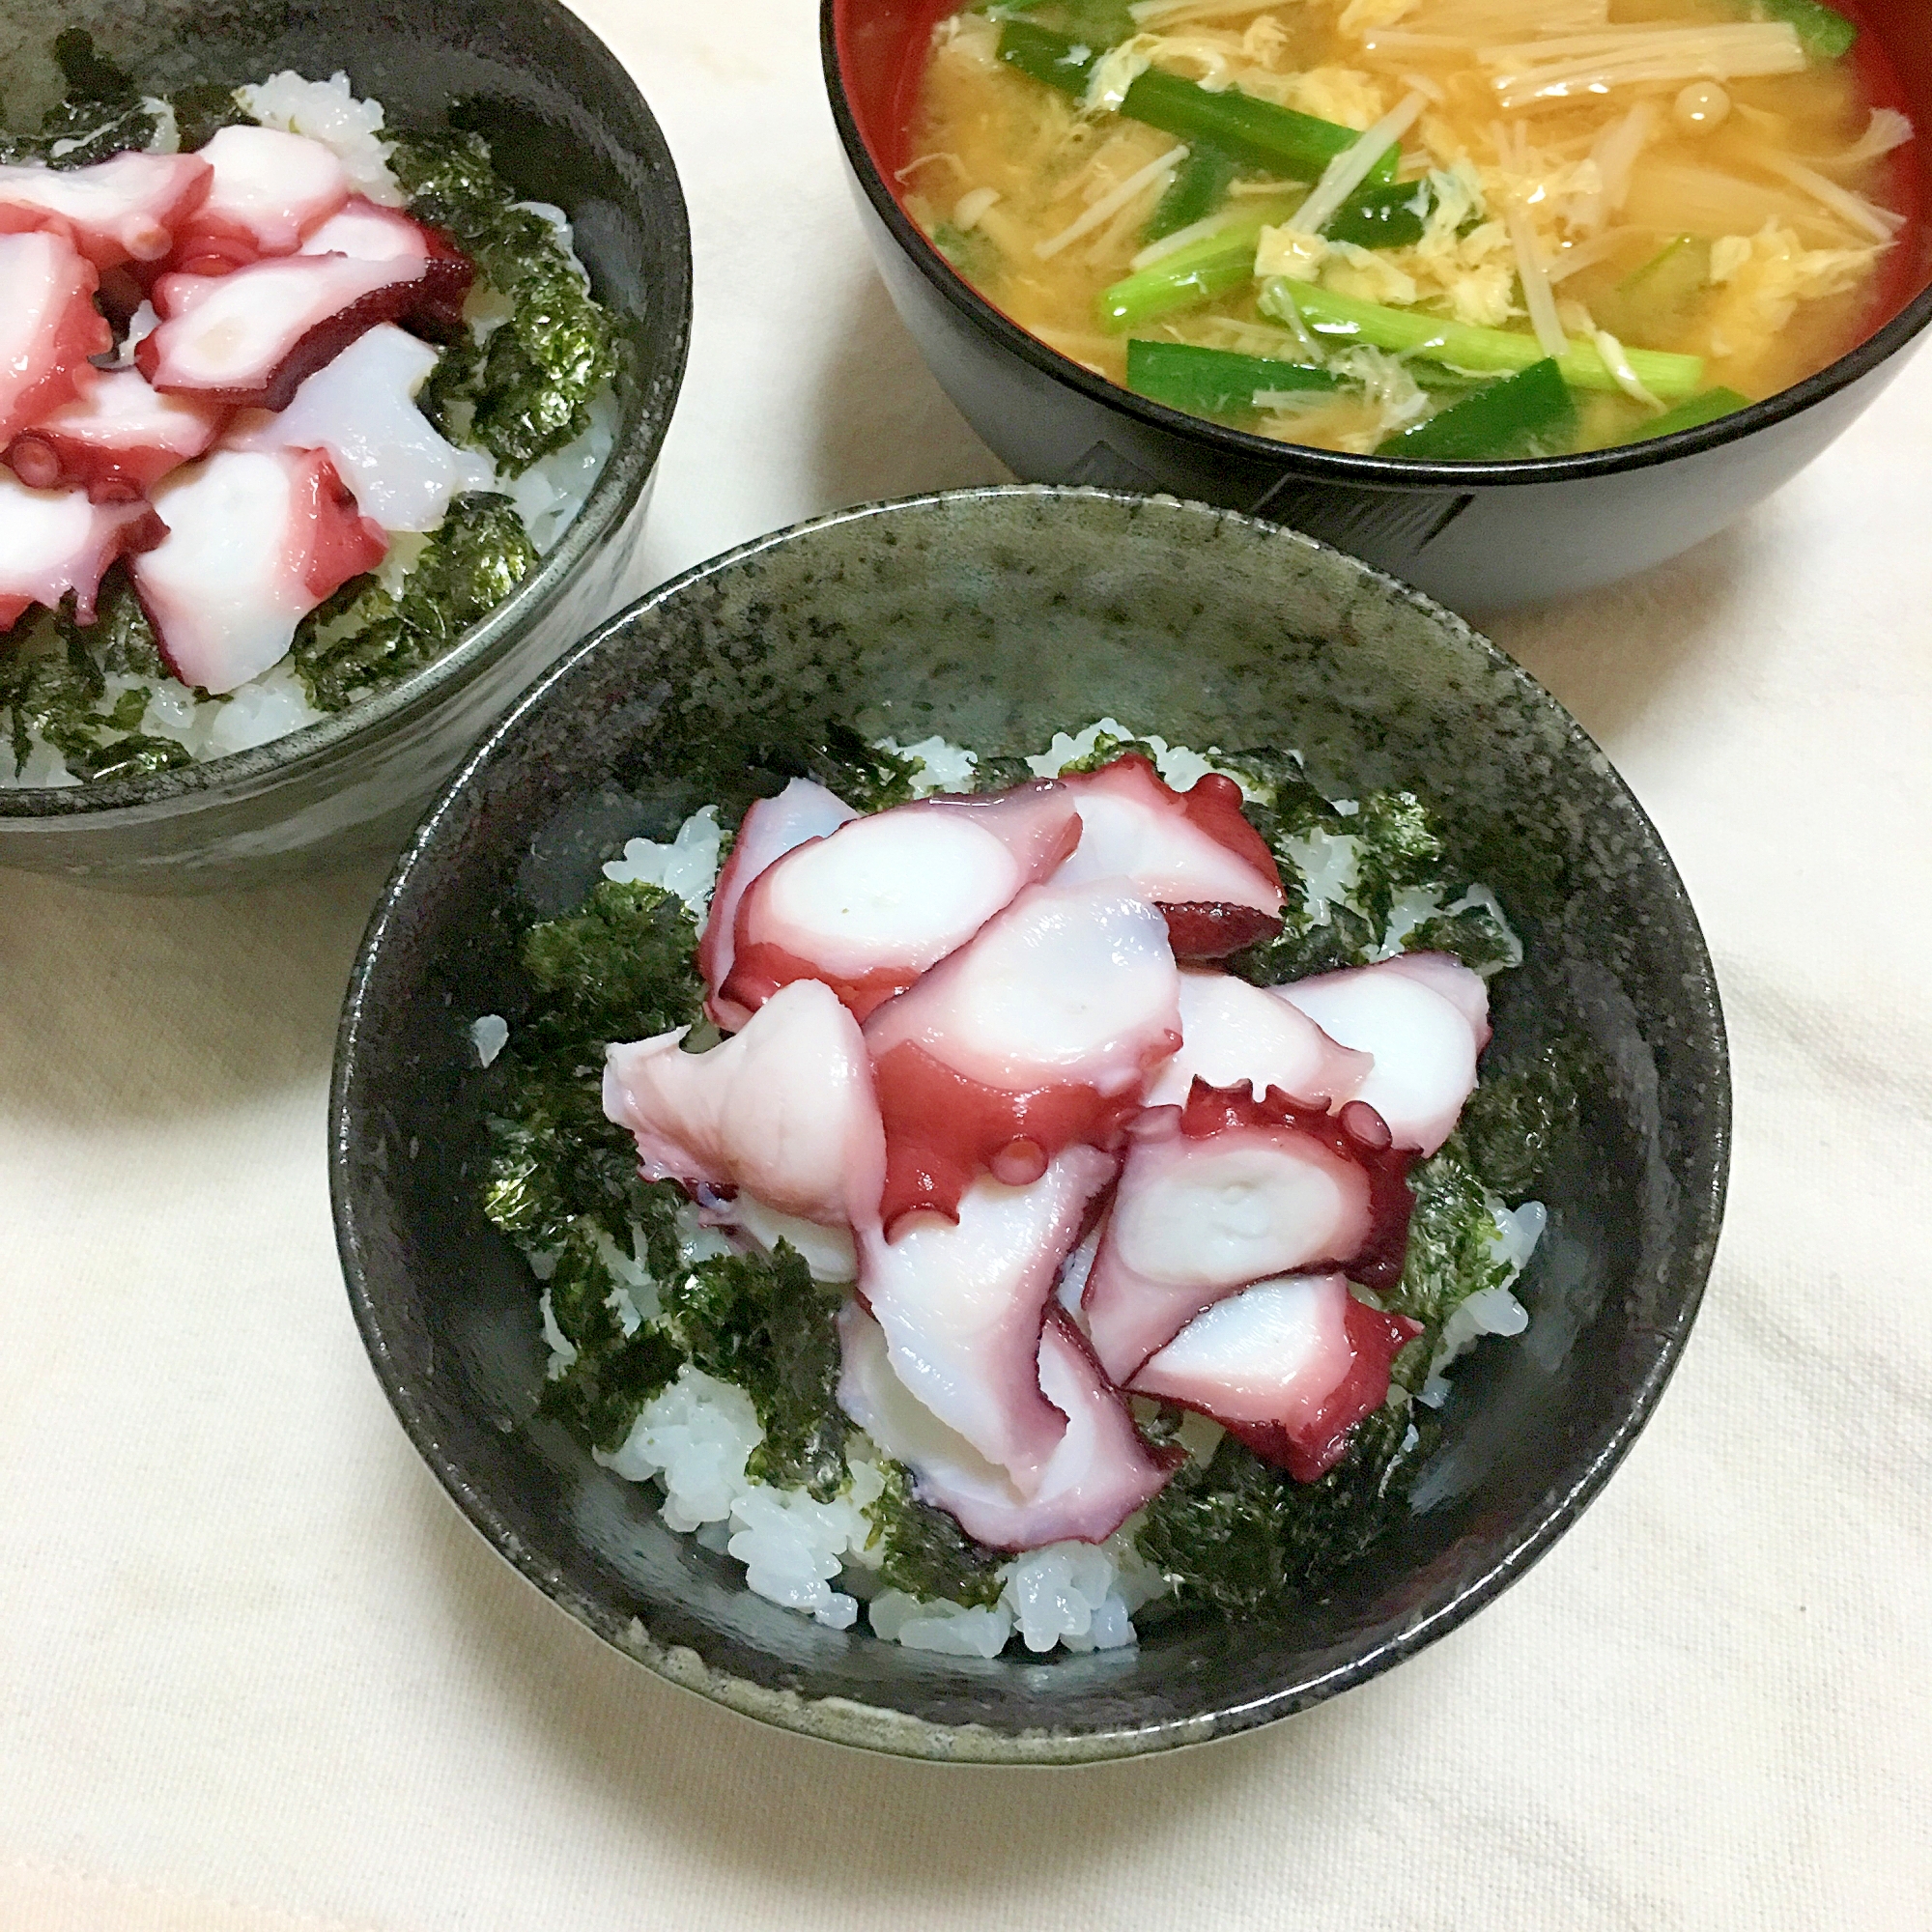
<point>1325,466</point>
<point>884,1728</point>
<point>657,359</point>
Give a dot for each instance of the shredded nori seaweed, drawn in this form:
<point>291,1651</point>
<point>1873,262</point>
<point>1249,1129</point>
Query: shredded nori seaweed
<point>762,1321</point>
<point>1513,1120</point>
<point>54,686</point>
<point>523,390</point>
<point>1397,848</point>
<point>613,1373</point>
<point>364,639</point>
<point>620,968</point>
<point>923,1553</point>
<point>1246,1538</point>
<point>101,113</point>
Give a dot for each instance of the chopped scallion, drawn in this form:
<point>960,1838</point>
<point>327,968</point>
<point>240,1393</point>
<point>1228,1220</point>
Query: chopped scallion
<point>1213,382</point>
<point>1528,414</point>
<point>1411,332</point>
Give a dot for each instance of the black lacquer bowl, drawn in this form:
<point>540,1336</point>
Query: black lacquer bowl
<point>566,125</point>
<point>996,616</point>
<point>1480,536</point>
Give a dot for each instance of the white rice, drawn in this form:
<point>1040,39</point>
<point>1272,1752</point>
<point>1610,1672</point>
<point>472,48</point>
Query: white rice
<point>490,1035</point>
<point>548,495</point>
<point>695,1438</point>
<point>327,111</point>
<point>944,767</point>
<point>1491,1311</point>
<point>687,865</point>
<point>1179,764</point>
<point>166,137</point>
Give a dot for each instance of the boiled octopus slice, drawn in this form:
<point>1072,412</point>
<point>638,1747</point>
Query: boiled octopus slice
<point>1038,1032</point>
<point>1425,1019</point>
<point>885,898</point>
<point>369,233</point>
<point>1099,1475</point>
<point>1288,1366</point>
<point>48,328</point>
<point>253,337</point>
<point>117,440</point>
<point>783,1111</point>
<point>125,209</point>
<point>269,190</point>
<point>54,543</point>
<point>1236,1034</point>
<point>770,828</point>
<point>1191,853</point>
<point>360,408</point>
<point>961,1305</point>
<point>1230,1190</point>
<point>255,542</point>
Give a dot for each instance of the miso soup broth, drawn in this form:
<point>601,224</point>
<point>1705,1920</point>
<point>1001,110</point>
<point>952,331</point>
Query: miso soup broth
<point>1445,229</point>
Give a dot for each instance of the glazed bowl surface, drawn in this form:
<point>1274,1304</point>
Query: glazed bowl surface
<point>1478,536</point>
<point>996,617</point>
<point>567,126</point>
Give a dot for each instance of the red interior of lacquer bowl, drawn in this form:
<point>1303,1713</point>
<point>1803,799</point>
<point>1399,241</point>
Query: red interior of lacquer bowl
<point>883,44</point>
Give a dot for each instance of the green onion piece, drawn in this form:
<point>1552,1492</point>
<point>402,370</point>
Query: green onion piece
<point>1391,214</point>
<point>1199,186</point>
<point>1212,382</point>
<point>1256,133</point>
<point>1528,414</point>
<point>1827,36</point>
<point>1050,58</point>
<point>1214,265</point>
<point>1409,332</point>
<point>1693,415</point>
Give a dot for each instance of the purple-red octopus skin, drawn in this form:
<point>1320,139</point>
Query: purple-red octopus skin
<point>116,441</point>
<point>253,336</point>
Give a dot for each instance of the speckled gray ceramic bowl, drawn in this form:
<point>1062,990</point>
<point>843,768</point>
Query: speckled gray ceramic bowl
<point>996,616</point>
<point>567,126</point>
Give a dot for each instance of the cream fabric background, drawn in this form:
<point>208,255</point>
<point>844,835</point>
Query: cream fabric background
<point>257,1676</point>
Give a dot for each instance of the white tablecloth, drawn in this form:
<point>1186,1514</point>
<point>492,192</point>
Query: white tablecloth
<point>256,1673</point>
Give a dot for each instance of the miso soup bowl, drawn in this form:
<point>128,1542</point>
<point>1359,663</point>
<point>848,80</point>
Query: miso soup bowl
<point>1476,535</point>
<point>996,617</point>
<point>566,125</point>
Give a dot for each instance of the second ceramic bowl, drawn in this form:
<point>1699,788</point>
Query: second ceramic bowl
<point>567,126</point>
<point>997,617</point>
